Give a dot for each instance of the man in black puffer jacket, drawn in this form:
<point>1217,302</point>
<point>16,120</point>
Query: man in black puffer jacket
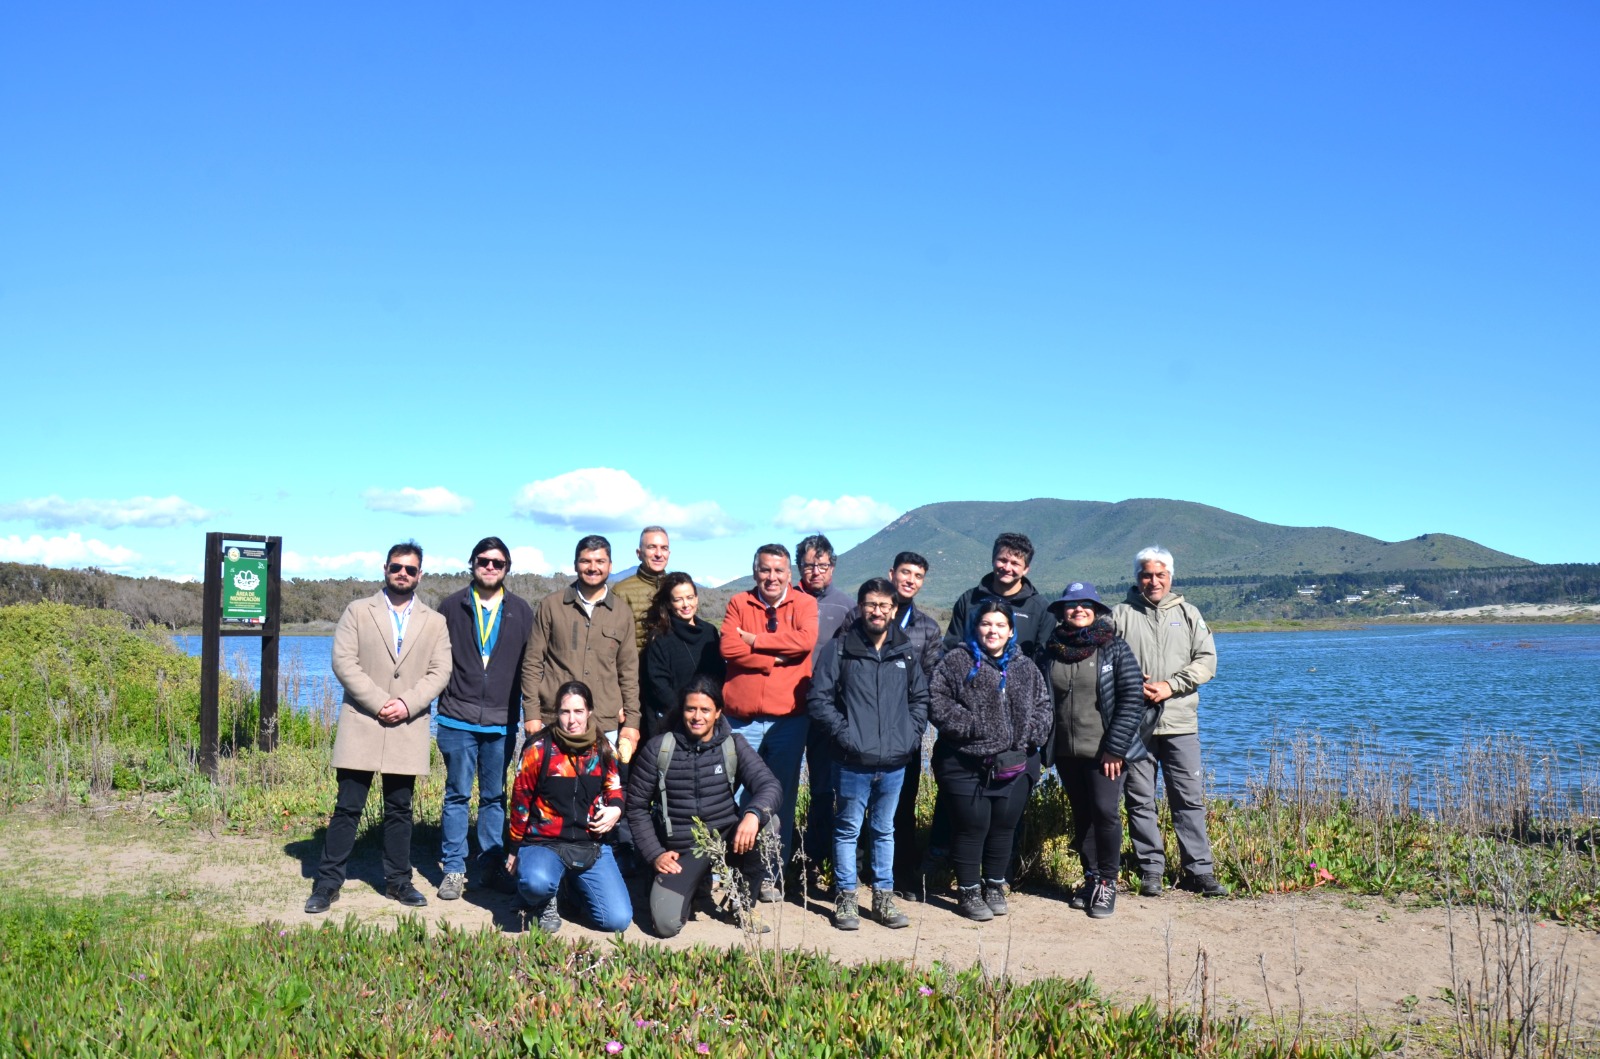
<point>870,694</point>
<point>700,751</point>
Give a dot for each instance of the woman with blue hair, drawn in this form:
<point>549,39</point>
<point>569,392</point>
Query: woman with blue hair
<point>993,711</point>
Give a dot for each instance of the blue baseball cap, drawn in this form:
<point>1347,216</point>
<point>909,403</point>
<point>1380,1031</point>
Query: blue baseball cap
<point>1078,592</point>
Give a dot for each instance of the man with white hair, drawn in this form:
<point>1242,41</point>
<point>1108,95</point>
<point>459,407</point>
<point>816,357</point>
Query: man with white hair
<point>1174,648</point>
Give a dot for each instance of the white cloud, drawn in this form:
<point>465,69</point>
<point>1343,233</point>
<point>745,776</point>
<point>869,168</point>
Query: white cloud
<point>358,564</point>
<point>54,512</point>
<point>71,550</point>
<point>847,512</point>
<point>529,560</point>
<point>434,500</point>
<point>605,499</point>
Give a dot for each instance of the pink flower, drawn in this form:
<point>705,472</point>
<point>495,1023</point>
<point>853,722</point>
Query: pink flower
<point>613,1047</point>
<point>925,990</point>
<point>703,1048</point>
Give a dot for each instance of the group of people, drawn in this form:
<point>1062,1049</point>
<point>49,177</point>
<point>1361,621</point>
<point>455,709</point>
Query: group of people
<point>656,739</point>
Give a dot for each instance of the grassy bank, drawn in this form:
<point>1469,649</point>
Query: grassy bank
<point>136,979</point>
<point>100,718</point>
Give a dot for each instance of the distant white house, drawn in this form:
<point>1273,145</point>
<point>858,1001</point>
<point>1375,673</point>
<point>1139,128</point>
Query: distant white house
<point>1352,599</point>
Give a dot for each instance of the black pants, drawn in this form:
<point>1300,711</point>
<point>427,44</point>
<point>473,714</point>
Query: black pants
<point>907,853</point>
<point>983,820</point>
<point>1096,814</point>
<point>819,812</point>
<point>354,786</point>
<point>671,895</point>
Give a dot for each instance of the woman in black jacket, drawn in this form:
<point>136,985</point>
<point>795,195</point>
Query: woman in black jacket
<point>681,645</point>
<point>704,763</point>
<point>1098,690</point>
<point>992,709</point>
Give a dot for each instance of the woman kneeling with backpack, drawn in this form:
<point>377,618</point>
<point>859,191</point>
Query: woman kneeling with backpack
<point>691,772</point>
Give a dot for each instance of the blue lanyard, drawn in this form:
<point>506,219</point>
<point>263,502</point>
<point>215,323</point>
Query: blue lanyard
<point>400,619</point>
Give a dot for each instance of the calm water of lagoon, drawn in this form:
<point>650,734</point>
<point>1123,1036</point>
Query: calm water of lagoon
<point>1416,691</point>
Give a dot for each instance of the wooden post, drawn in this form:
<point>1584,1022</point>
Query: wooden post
<point>210,654</point>
<point>267,734</point>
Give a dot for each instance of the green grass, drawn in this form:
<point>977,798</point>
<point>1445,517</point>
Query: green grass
<point>144,978</point>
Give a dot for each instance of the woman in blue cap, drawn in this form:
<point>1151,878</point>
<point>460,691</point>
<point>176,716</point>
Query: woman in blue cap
<point>1098,691</point>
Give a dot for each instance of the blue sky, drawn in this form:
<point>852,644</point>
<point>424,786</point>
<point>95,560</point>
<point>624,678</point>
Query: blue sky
<point>355,273</point>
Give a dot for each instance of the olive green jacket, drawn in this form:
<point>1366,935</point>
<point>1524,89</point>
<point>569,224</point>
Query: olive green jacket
<point>1172,643</point>
<point>637,591</point>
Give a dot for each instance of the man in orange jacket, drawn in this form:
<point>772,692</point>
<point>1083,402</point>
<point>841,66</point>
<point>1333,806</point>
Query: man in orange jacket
<point>767,638</point>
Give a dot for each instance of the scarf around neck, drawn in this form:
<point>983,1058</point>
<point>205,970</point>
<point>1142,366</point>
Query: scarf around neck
<point>576,745</point>
<point>1071,644</point>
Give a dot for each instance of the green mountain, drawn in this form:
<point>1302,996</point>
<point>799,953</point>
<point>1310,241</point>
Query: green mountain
<point>1096,541</point>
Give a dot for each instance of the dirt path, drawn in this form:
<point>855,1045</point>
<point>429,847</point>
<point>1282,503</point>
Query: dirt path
<point>1357,958</point>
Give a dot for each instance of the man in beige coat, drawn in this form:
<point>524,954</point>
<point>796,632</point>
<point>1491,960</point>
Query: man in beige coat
<point>391,652</point>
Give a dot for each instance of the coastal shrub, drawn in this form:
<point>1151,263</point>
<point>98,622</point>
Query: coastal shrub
<point>77,674</point>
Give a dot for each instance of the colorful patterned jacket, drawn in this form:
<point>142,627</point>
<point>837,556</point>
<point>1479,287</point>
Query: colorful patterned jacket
<point>556,793</point>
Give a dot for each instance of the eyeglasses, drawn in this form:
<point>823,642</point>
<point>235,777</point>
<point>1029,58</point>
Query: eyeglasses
<point>395,568</point>
<point>818,567</point>
<point>772,618</point>
<point>490,564</point>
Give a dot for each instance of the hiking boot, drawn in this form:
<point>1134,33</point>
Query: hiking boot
<point>1083,894</point>
<point>1205,885</point>
<point>770,894</point>
<point>971,904</point>
<point>549,917</point>
<point>846,913</point>
<point>1150,884</point>
<point>750,921</point>
<point>406,894</point>
<point>885,911</point>
<point>1104,901</point>
<point>994,895</point>
<point>321,898</point>
<point>454,885</point>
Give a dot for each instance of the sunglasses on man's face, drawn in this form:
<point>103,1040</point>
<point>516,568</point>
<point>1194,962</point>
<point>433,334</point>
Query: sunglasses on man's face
<point>491,564</point>
<point>395,568</point>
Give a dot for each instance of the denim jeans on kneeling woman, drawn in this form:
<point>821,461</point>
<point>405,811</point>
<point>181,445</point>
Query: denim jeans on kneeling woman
<point>540,871</point>
<point>872,795</point>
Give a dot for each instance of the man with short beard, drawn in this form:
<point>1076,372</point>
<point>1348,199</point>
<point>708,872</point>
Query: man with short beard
<point>489,629</point>
<point>391,652</point>
<point>584,632</point>
<point>639,589</point>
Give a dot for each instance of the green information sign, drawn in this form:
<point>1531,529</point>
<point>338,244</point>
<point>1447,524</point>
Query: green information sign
<point>244,584</point>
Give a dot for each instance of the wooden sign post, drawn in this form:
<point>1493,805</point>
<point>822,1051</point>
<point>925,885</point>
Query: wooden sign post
<point>240,598</point>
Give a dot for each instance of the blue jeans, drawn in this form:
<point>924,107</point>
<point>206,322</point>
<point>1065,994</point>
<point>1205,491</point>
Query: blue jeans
<point>781,742</point>
<point>539,874</point>
<point>874,795</point>
<point>468,756</point>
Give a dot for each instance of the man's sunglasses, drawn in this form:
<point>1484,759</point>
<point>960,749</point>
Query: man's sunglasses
<point>395,568</point>
<point>772,619</point>
<point>490,564</point>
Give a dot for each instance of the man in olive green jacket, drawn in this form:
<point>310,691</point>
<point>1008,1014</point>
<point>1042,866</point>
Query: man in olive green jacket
<point>639,589</point>
<point>1175,650</point>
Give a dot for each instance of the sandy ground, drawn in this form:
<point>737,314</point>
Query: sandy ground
<point>1326,954</point>
<point>1510,611</point>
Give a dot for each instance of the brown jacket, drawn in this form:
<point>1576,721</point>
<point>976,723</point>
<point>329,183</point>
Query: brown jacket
<point>568,645</point>
<point>365,663</point>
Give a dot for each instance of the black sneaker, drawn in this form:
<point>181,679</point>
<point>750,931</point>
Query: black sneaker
<point>1205,885</point>
<point>321,898</point>
<point>1082,895</point>
<point>1104,901</point>
<point>406,894</point>
<point>1150,884</point>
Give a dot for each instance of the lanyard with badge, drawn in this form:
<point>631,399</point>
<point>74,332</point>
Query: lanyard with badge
<point>486,630</point>
<point>400,619</point>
